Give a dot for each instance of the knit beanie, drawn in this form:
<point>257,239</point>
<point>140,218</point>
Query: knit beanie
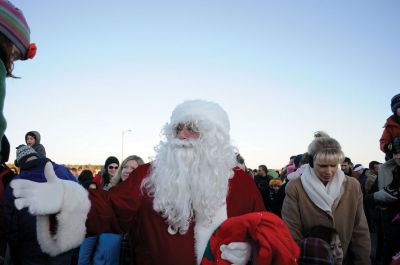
<point>395,103</point>
<point>110,160</point>
<point>201,110</point>
<point>14,26</point>
<point>315,251</point>
<point>23,153</point>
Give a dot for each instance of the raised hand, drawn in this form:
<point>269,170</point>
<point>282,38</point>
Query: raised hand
<point>39,198</point>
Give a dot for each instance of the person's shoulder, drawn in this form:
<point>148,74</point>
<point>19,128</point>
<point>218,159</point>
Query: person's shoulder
<point>241,179</point>
<point>143,169</point>
<point>391,122</point>
<point>293,184</point>
<point>141,172</point>
<point>352,184</point>
<point>351,180</point>
<point>63,172</point>
<point>239,173</point>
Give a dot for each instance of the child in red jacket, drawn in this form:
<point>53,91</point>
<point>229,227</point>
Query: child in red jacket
<point>392,128</point>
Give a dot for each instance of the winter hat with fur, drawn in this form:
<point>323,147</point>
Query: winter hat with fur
<point>201,110</point>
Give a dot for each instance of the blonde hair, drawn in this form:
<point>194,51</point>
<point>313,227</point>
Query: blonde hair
<point>117,178</point>
<point>325,148</point>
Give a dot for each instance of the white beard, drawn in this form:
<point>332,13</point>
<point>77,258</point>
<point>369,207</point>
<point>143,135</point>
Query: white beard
<point>190,178</point>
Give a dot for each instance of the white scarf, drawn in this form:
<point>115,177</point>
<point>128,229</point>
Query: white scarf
<point>322,196</point>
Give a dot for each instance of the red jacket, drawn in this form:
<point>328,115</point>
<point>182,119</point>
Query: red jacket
<point>126,205</point>
<point>392,129</point>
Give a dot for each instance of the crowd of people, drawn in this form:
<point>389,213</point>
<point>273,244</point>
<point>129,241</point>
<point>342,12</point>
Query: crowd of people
<point>196,202</point>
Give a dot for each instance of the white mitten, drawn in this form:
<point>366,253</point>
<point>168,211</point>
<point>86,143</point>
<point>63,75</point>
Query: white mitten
<point>39,198</point>
<point>237,253</point>
<point>67,199</point>
<point>384,196</point>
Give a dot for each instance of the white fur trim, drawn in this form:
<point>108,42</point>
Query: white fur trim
<point>201,110</point>
<point>71,229</point>
<point>203,232</point>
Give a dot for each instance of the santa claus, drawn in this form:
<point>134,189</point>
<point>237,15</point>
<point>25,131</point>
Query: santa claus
<point>172,206</point>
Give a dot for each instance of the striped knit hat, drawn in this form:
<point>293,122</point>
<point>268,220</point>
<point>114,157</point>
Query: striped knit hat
<point>13,25</point>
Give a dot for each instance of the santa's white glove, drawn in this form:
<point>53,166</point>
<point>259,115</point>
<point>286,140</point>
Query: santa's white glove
<point>39,198</point>
<point>384,196</point>
<point>237,253</point>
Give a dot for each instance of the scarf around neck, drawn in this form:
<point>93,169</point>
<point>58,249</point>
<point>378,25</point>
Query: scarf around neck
<point>322,196</point>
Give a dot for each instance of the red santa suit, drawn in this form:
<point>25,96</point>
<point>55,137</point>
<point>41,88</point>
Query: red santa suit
<point>127,208</point>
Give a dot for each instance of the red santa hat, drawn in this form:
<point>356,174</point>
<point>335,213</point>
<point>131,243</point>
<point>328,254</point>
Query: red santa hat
<point>201,110</point>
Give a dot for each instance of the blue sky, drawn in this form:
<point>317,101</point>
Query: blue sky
<point>281,69</point>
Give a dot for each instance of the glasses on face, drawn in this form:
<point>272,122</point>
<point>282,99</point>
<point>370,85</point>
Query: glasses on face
<point>190,126</point>
<point>111,167</point>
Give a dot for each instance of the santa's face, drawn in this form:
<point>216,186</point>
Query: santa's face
<point>190,174</point>
<point>185,131</point>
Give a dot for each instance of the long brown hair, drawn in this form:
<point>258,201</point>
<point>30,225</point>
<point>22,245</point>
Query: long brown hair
<point>6,55</point>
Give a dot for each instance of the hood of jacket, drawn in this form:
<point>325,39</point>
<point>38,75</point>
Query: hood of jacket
<point>37,136</point>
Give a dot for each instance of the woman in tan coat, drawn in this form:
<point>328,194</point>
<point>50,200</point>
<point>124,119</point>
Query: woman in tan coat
<point>324,195</point>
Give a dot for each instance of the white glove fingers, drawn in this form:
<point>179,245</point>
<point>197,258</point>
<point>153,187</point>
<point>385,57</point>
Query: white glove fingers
<point>238,246</point>
<point>20,184</point>
<point>25,193</point>
<point>21,203</point>
<point>49,173</point>
<point>230,257</point>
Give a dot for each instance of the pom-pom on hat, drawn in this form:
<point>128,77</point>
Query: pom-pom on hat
<point>14,26</point>
<point>395,103</point>
<point>201,110</point>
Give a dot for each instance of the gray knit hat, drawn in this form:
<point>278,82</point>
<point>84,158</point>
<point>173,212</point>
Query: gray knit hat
<point>23,152</point>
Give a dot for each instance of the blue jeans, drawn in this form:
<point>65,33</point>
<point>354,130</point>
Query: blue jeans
<point>103,249</point>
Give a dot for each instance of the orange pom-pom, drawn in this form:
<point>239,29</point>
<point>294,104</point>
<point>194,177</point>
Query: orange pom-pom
<point>31,51</point>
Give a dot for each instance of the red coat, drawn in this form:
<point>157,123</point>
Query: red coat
<point>392,129</point>
<point>154,245</point>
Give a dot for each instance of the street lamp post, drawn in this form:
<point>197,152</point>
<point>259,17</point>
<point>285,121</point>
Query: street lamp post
<point>122,145</point>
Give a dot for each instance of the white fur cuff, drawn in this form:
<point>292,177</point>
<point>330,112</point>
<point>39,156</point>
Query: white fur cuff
<point>71,228</point>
